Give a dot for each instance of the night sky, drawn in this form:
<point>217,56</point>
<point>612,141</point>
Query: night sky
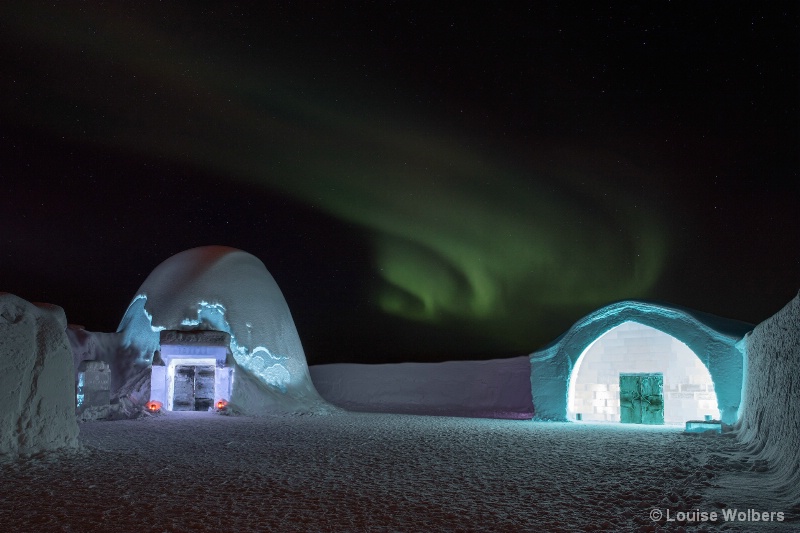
<point>425,181</point>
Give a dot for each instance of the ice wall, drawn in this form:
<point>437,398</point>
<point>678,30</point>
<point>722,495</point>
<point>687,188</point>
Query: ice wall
<point>498,388</point>
<point>631,347</point>
<point>36,379</point>
<point>91,345</point>
<point>770,422</point>
<point>224,289</point>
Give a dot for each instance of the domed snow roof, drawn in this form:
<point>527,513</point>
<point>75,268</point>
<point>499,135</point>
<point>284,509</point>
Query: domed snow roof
<point>224,289</point>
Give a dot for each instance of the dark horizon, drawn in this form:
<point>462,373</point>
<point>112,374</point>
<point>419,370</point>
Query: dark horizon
<point>424,182</point>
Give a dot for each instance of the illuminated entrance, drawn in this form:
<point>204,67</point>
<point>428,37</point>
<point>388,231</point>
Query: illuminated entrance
<point>630,349</point>
<point>194,388</point>
<point>192,370</point>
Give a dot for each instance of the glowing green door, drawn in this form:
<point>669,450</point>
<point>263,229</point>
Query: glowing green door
<point>641,398</point>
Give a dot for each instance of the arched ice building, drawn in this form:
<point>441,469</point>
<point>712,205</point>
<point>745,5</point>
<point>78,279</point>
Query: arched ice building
<point>211,324</point>
<point>642,362</point>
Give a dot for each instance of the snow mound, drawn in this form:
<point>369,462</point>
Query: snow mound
<point>770,423</point>
<point>498,388</point>
<point>36,379</point>
<point>224,289</point>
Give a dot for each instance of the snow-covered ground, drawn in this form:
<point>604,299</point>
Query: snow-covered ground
<point>186,471</point>
<point>348,471</point>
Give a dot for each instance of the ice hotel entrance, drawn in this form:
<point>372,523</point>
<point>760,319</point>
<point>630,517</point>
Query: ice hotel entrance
<point>628,371</point>
<point>192,370</point>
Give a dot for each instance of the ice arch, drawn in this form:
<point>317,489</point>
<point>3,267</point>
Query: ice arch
<point>713,339</point>
<point>632,347</point>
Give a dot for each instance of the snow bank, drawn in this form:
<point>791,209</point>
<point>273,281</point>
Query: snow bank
<point>770,422</point>
<point>498,388</point>
<point>36,379</point>
<point>224,289</point>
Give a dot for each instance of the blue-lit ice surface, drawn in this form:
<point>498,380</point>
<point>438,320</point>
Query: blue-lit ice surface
<point>703,426</point>
<point>224,289</point>
<point>713,339</point>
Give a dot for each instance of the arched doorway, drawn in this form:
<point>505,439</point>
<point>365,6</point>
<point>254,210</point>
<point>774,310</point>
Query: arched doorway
<point>633,348</point>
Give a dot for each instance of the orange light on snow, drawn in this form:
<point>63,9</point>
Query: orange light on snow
<point>153,406</point>
<point>221,404</point>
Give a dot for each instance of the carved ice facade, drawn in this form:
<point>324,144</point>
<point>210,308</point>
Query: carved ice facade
<point>192,370</point>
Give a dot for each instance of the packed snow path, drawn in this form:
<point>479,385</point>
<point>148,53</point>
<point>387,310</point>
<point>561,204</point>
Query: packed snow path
<point>195,472</point>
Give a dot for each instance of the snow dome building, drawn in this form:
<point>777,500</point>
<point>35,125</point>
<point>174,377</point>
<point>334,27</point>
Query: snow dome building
<point>211,324</point>
<point>642,362</point>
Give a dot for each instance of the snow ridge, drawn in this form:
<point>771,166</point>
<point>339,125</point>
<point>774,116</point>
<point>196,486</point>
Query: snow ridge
<point>770,423</point>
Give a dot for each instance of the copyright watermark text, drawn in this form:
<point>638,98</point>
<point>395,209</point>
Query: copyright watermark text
<point>723,515</point>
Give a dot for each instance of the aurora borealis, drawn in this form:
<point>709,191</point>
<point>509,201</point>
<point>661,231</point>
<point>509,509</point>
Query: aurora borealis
<point>489,206</point>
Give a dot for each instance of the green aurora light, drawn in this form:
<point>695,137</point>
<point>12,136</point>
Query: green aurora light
<point>461,235</point>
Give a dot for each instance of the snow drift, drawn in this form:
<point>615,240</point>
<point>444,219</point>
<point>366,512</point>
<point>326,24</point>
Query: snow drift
<point>498,388</point>
<point>36,379</point>
<point>770,423</point>
<point>223,289</point>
